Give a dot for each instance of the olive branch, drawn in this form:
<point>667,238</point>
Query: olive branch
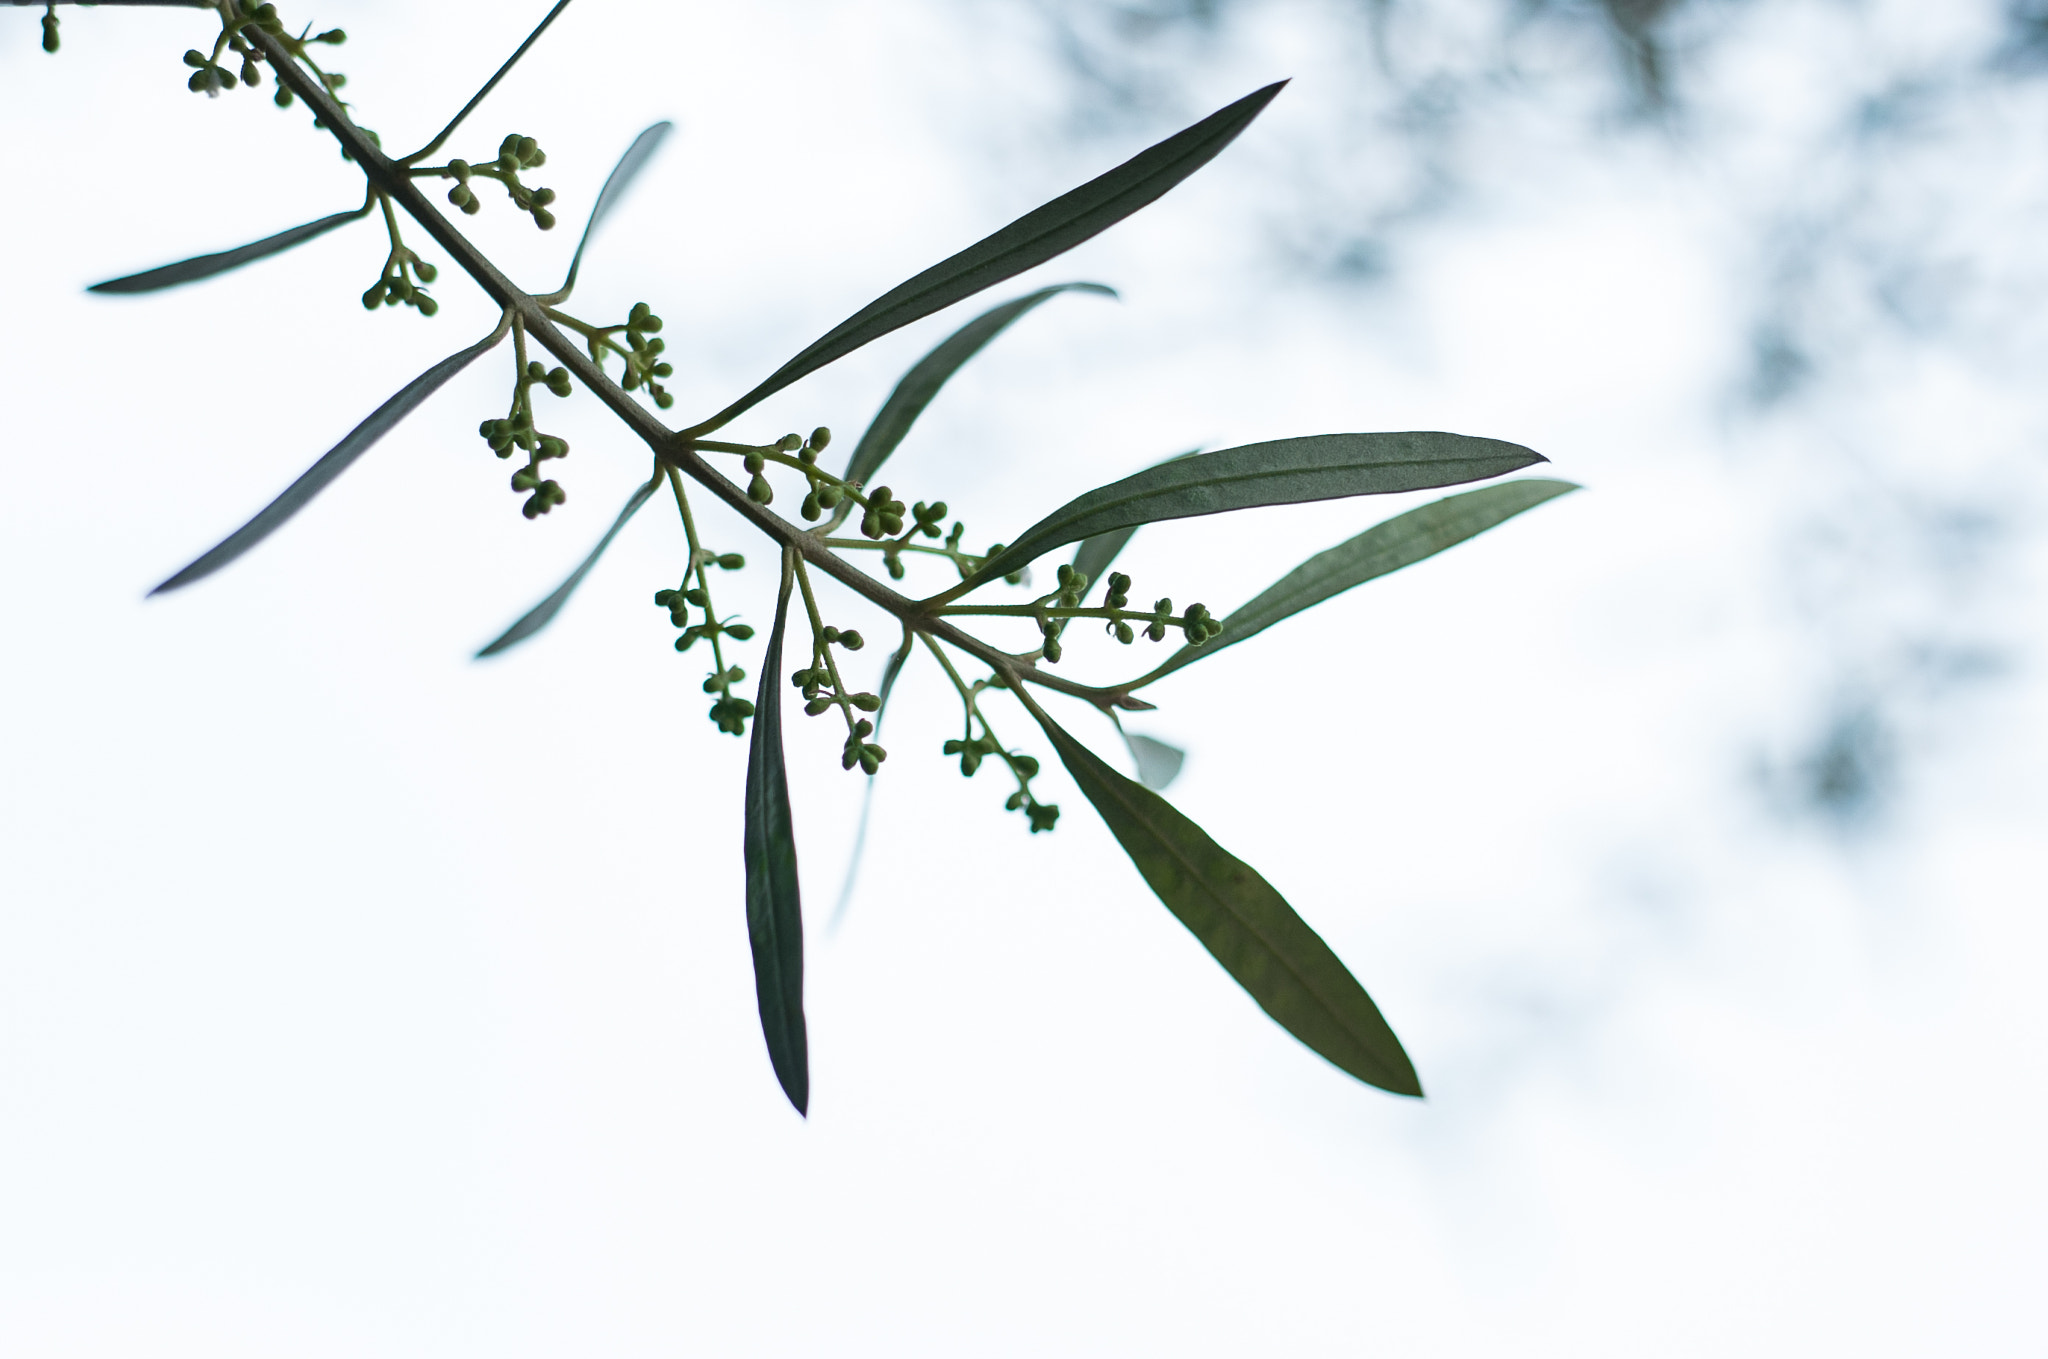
<point>1243,922</point>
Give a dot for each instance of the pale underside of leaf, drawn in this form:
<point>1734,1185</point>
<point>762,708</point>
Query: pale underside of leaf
<point>1280,472</point>
<point>1031,240</point>
<point>337,460</point>
<point>931,372</point>
<point>1244,923</point>
<point>206,266</point>
<point>775,925</point>
<point>543,613</point>
<point>615,185</point>
<point>1385,547</point>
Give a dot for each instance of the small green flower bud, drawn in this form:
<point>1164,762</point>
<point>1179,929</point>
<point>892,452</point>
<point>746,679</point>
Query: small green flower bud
<point>1157,632</point>
<point>863,728</point>
<point>1123,632</point>
<point>663,369</point>
<point>471,206</point>
<point>1013,802</point>
<point>522,147</point>
<point>427,305</point>
<point>760,492</point>
<point>195,58</point>
<point>830,496</point>
<point>683,642</point>
<point>332,35</point>
<point>250,75</point>
<point>662,598</point>
<point>283,98</point>
<point>460,169</point>
<point>374,298</point>
<point>731,561</point>
<point>820,437</point>
<point>559,382</point>
<point>1043,815</point>
<point>754,462</point>
<point>1052,650</point>
<point>831,634</point>
<point>544,219</point>
<point>870,760</point>
<point>851,640</point>
<point>1027,766</point>
<point>427,272</point>
<point>867,703</point>
<point>696,596</point>
<point>816,706</point>
<point>810,509</point>
<point>743,632</point>
<point>664,400</point>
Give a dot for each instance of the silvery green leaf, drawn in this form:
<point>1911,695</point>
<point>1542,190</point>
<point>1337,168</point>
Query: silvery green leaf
<point>1401,541</point>
<point>1282,472</point>
<point>1029,241</point>
<point>775,921</point>
<point>206,266</point>
<point>615,185</point>
<point>543,613</point>
<point>338,459</point>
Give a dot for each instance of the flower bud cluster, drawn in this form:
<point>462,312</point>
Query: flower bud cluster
<point>883,517</point>
<point>1195,625</point>
<point>515,153</point>
<point>1117,596</point>
<point>678,603</point>
<point>397,283</point>
<point>517,431</point>
<point>644,363</point>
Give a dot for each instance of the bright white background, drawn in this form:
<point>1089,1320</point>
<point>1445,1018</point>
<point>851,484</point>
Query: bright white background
<point>356,999</point>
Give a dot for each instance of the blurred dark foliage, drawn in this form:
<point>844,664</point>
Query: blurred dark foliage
<point>1867,233</point>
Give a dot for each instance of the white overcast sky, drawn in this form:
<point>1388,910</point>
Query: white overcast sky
<point>360,1000</point>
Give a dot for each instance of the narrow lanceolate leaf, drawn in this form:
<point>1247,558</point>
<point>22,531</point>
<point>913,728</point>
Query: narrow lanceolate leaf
<point>1401,541</point>
<point>775,922</point>
<point>1283,472</point>
<point>930,373</point>
<point>867,799</point>
<point>1029,241</point>
<point>543,613</point>
<point>206,266</point>
<point>314,480</point>
<point>1095,554</point>
<point>615,185</point>
<point>1158,763</point>
<point>1246,925</point>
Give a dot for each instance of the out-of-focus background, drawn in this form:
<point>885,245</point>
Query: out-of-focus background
<point>358,999</point>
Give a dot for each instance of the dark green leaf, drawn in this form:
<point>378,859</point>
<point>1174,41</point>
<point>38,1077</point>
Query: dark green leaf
<point>1401,541</point>
<point>206,266</point>
<point>1246,925</point>
<point>543,613</point>
<point>775,921</point>
<point>867,799</point>
<point>1158,763</point>
<point>1283,472</point>
<point>923,381</point>
<point>1095,554</point>
<point>1029,241</point>
<point>615,185</point>
<point>315,479</point>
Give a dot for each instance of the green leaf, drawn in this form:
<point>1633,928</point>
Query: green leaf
<point>1246,925</point>
<point>775,922</point>
<point>1029,241</point>
<point>867,800</point>
<point>1158,763</point>
<point>1095,554</point>
<point>206,266</point>
<point>1283,472</point>
<point>338,459</point>
<point>1401,541</point>
<point>615,185</point>
<point>930,373</point>
<point>543,613</point>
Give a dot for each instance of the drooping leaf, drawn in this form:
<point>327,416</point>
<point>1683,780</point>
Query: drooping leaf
<point>1283,472</point>
<point>543,613</point>
<point>867,799</point>
<point>1246,925</point>
<point>930,373</point>
<point>1029,241</point>
<point>1401,541</point>
<point>206,266</point>
<point>315,478</point>
<point>615,185</point>
<point>1158,763</point>
<point>1095,554</point>
<point>775,922</point>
